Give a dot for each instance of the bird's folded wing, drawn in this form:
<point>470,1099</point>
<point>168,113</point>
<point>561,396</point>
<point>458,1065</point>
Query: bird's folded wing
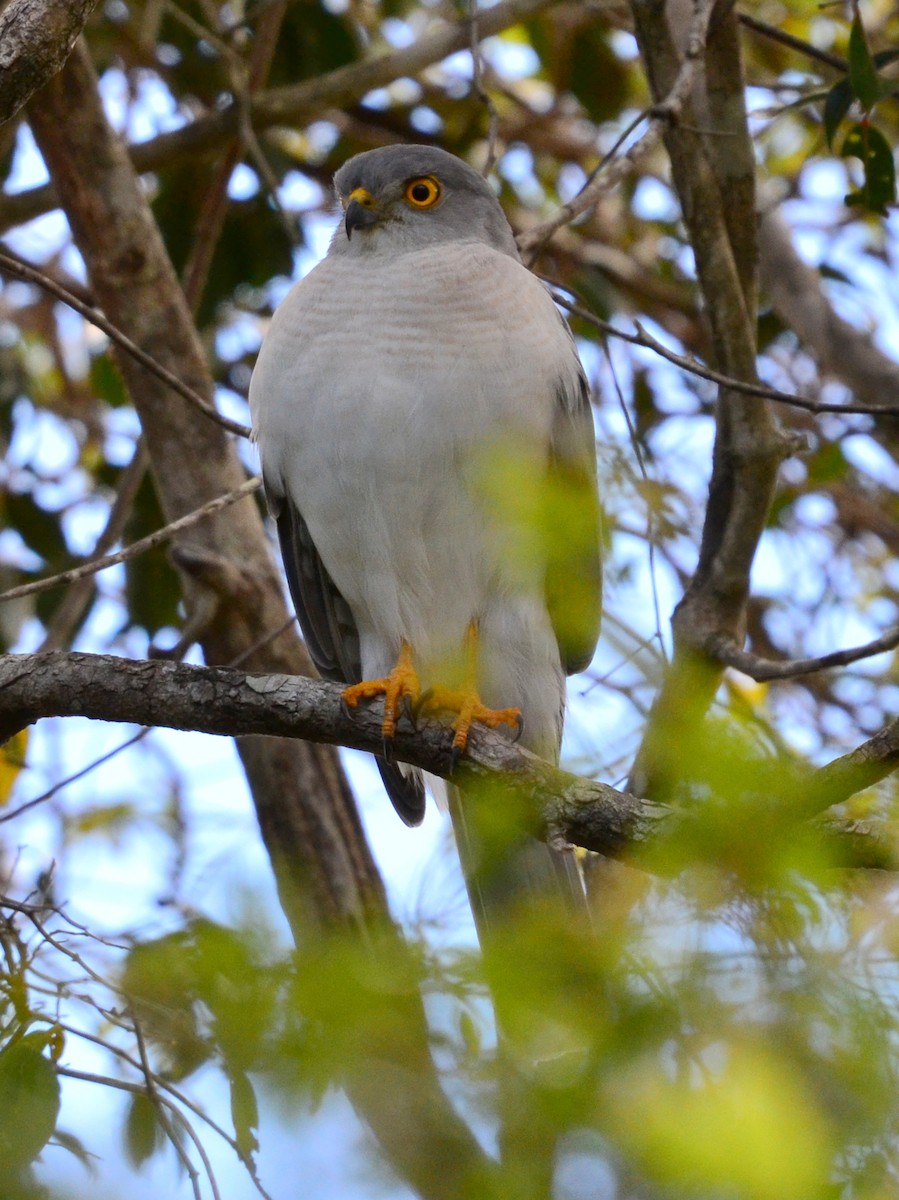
<point>331,636</point>
<point>325,618</point>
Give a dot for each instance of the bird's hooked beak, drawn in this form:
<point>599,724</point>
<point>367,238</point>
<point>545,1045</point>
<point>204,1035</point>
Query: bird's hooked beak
<point>361,210</point>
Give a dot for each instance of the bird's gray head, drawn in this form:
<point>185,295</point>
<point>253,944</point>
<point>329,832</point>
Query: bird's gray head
<point>401,198</point>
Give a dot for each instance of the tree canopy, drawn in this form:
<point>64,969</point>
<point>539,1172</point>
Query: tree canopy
<point>204,938</point>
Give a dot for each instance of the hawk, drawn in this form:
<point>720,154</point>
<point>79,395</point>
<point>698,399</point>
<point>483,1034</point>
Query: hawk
<point>428,450</point>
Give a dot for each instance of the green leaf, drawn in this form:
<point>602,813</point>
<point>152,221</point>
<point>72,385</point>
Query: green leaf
<point>106,380</point>
<point>862,72</point>
<point>865,142</point>
<point>29,1102</point>
<point>836,106</point>
<point>75,1146</point>
<point>764,1133</point>
<point>238,992</point>
<point>244,1113</point>
<point>144,1136</point>
<point>158,978</point>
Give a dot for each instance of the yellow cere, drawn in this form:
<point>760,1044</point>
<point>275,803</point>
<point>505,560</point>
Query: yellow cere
<point>362,195</point>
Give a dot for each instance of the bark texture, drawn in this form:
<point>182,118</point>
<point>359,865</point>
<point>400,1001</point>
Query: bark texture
<point>717,195</point>
<point>558,806</point>
<point>36,38</point>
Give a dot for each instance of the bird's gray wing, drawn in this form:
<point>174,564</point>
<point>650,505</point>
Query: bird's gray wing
<point>574,566</point>
<point>331,636</point>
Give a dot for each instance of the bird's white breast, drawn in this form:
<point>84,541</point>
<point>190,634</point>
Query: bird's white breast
<point>381,387</point>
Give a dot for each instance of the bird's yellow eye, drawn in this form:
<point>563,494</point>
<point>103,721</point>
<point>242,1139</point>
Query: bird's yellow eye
<point>423,192</point>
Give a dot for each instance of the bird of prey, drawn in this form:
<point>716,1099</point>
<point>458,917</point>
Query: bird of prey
<point>428,452</point>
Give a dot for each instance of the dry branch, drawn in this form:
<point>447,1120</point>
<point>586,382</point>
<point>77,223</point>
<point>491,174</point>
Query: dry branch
<point>141,546</point>
<point>687,362</point>
<point>615,168</point>
<point>29,274</point>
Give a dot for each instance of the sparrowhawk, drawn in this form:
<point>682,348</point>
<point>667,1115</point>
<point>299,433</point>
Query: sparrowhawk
<point>428,451</point>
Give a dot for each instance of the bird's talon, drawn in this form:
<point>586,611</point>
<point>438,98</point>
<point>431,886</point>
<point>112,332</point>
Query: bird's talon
<point>409,710</point>
<point>519,728</point>
<point>345,709</point>
<point>455,755</point>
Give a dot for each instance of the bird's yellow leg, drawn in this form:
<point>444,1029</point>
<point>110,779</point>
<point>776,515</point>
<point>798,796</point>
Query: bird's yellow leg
<point>400,684</point>
<point>466,703</point>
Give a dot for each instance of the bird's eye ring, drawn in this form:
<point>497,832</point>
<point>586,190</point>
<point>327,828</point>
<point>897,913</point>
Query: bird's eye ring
<point>423,192</point>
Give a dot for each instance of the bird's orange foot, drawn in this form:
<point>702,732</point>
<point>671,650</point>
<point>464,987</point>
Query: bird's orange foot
<point>400,689</point>
<point>467,706</point>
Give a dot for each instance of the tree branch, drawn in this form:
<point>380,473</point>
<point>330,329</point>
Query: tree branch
<point>141,546</point>
<point>797,295</point>
<point>713,174</point>
<point>293,105</point>
<point>29,274</point>
<point>836,61</point>
<point>563,806</point>
<point>762,669</point>
<point>36,38</point>
<point>663,111</point>
<point>691,364</point>
<point>858,770</point>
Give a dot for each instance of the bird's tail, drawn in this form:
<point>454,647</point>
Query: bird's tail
<point>506,868</point>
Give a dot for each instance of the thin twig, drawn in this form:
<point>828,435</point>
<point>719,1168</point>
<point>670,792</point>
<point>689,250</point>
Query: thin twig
<point>762,669</point>
<point>29,274</point>
<point>126,745</point>
<point>665,111</point>
<point>160,1104</point>
<point>182,1098</point>
<point>650,515</point>
<point>477,83</point>
<point>70,611</point>
<point>135,548</point>
<point>688,363</point>
<point>246,80</point>
<point>73,778</point>
<point>793,43</point>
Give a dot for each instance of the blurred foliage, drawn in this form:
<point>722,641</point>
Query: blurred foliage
<point>725,1034</point>
<point>12,760</point>
<point>732,1031</point>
